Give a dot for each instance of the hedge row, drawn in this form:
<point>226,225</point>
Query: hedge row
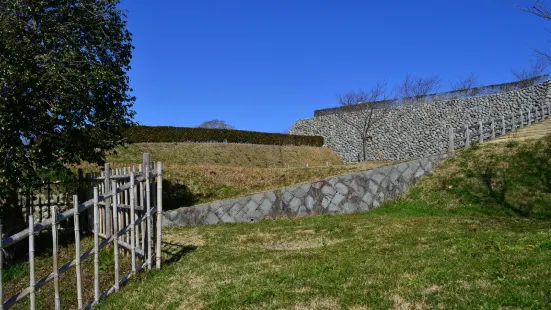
<point>138,134</point>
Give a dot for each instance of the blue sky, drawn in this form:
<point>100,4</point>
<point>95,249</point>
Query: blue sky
<point>262,64</point>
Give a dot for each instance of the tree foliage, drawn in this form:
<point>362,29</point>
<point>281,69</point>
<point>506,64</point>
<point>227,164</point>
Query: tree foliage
<point>64,88</point>
<point>216,124</point>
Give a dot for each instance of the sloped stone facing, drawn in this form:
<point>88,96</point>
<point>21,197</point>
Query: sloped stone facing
<point>413,131</point>
<point>358,192</point>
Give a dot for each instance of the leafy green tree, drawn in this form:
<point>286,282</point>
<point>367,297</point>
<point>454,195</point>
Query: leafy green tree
<point>64,89</point>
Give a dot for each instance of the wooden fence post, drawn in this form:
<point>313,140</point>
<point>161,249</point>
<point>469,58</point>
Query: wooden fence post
<point>55,267</point>
<point>96,245</point>
<point>467,136</point>
<point>115,236</point>
<point>548,109</point>
<point>106,189</point>
<point>503,129</point>
<point>481,132</point>
<point>133,222</point>
<point>159,212</point>
<point>149,239</point>
<point>529,121</point>
<point>493,128</point>
<point>143,228</point>
<point>32,281</point>
<point>513,123</point>
<point>451,143</point>
<point>77,252</point>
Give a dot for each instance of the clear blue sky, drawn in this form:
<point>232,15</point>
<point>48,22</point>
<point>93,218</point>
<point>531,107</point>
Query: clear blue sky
<point>262,64</point>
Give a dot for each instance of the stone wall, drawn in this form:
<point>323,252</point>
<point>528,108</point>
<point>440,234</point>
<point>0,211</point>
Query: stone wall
<point>418,130</point>
<point>358,192</point>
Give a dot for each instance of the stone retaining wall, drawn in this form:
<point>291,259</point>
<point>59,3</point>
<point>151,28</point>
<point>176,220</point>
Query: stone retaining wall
<point>419,130</point>
<point>358,192</point>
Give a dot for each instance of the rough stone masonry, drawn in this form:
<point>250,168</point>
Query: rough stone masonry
<point>419,130</point>
<point>357,192</point>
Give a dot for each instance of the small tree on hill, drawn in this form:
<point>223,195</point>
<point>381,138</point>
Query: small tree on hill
<point>216,124</point>
<point>370,109</point>
<point>462,83</point>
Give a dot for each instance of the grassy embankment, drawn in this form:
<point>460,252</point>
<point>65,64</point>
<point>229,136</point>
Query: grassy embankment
<point>474,234</point>
<point>203,172</point>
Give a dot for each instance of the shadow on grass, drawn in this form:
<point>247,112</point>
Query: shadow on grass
<point>175,251</point>
<point>516,178</point>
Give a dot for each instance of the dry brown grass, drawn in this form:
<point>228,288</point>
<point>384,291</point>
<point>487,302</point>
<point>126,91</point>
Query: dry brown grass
<point>204,172</point>
<point>229,154</point>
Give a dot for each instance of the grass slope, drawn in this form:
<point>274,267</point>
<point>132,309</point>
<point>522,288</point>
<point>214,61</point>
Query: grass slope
<point>228,154</point>
<point>452,242</point>
<point>202,172</point>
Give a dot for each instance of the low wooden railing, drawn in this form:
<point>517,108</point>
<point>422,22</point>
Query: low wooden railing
<point>122,214</point>
<point>481,131</point>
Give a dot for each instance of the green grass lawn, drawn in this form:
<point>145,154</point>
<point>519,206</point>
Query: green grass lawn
<point>442,245</point>
<point>474,234</point>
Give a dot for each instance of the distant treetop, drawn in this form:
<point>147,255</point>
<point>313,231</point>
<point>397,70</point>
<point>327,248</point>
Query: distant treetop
<point>216,124</point>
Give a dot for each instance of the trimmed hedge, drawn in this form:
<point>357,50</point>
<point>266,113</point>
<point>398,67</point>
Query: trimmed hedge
<point>136,134</point>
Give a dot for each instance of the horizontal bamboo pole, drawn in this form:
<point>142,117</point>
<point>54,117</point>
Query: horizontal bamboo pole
<point>65,215</point>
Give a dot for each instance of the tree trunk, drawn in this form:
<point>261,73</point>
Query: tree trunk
<point>363,147</point>
<point>13,222</point>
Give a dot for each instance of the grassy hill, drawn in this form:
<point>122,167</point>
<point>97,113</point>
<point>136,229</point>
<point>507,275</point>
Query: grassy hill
<point>476,233</point>
<point>229,154</point>
<point>201,172</point>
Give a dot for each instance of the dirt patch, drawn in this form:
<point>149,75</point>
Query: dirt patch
<point>319,303</point>
<point>400,303</point>
<point>432,289</point>
<point>299,244</point>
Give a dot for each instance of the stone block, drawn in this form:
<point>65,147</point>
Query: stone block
<point>325,202</point>
<point>235,209</point>
<point>305,187</point>
<point>251,206</point>
<point>257,198</point>
<point>309,202</point>
<point>286,197</point>
<point>337,199</point>
<point>378,177</point>
<point>402,167</point>
<point>327,190</point>
<point>299,193</point>
<point>211,218</point>
<point>226,218</point>
<point>265,207</point>
<point>295,204</point>
<point>271,196</point>
<point>341,188</point>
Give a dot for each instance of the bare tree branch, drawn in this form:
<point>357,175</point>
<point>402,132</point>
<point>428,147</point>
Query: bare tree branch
<point>538,9</point>
<point>538,66</point>
<point>464,83</point>
<point>412,89</point>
